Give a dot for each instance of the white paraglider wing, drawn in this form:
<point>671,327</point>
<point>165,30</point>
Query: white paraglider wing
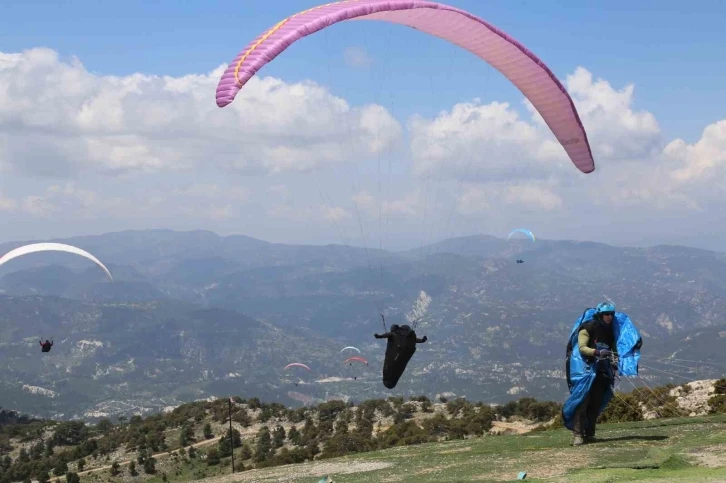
<point>54,247</point>
<point>350,347</point>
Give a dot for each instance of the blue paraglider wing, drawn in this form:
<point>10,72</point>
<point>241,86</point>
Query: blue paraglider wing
<point>522,230</point>
<point>628,341</point>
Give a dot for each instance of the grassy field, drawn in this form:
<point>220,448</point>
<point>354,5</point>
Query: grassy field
<point>683,450</point>
<point>686,450</point>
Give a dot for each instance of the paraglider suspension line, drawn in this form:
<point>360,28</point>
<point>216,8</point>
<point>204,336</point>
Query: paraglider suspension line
<point>383,321</point>
<point>231,439</point>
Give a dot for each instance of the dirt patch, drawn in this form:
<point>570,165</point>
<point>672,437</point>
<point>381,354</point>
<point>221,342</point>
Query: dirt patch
<point>436,469</point>
<point>540,464</point>
<point>710,456</point>
<point>516,427</point>
<point>457,450</point>
<point>290,472</point>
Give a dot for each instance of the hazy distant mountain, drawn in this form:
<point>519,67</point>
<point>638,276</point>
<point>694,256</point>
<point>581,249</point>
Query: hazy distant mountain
<point>189,310</point>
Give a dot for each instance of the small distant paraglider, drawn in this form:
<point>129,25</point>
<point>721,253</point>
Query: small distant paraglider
<point>297,364</point>
<point>53,247</point>
<point>45,346</point>
<point>522,230</point>
<point>350,347</point>
<point>351,359</point>
<point>358,359</point>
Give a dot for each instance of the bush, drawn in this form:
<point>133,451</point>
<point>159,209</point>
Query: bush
<point>212,457</point>
<point>717,404</point>
<point>719,387</point>
<point>242,417</point>
<point>343,444</point>
<point>224,446</point>
<point>622,408</point>
<point>150,465</point>
<point>70,433</point>
<point>404,434</point>
<point>458,404</point>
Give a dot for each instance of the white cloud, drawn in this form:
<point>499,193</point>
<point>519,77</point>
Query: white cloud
<point>308,214</point>
<point>214,212</point>
<point>615,130</point>
<point>537,197</point>
<point>409,204</point>
<point>336,214</point>
<point>506,161</point>
<point>56,118</point>
<point>7,204</point>
<point>474,200</point>
<point>363,199</point>
<point>491,141</point>
<point>702,160</point>
<point>201,201</point>
<point>475,140</point>
<point>37,206</point>
<point>213,190</point>
<point>496,164</point>
<point>357,57</point>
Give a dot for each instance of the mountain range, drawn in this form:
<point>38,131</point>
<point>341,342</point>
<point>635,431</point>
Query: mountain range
<point>191,315</point>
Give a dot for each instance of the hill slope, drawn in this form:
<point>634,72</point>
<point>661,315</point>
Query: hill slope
<point>673,452</point>
<point>381,440</point>
<point>497,330</point>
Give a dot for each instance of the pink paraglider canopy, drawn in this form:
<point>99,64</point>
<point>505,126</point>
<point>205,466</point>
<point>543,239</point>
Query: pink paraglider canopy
<point>511,58</point>
<point>356,358</point>
<point>297,364</point>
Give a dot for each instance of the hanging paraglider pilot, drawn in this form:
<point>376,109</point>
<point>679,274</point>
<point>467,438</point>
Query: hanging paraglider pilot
<point>401,345</point>
<point>592,359</point>
<point>45,346</point>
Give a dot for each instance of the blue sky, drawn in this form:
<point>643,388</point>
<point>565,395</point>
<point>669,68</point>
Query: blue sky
<point>672,55</point>
<point>673,51</point>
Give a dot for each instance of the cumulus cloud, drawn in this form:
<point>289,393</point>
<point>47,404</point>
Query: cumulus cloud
<point>56,118</point>
<point>615,130</point>
<point>704,159</point>
<point>496,161</point>
<point>336,214</point>
<point>409,204</point>
<point>305,214</point>
<point>357,57</point>
<point>506,160</point>
<point>492,142</point>
<point>71,201</point>
<point>536,197</point>
<point>474,140</point>
<point>6,204</point>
